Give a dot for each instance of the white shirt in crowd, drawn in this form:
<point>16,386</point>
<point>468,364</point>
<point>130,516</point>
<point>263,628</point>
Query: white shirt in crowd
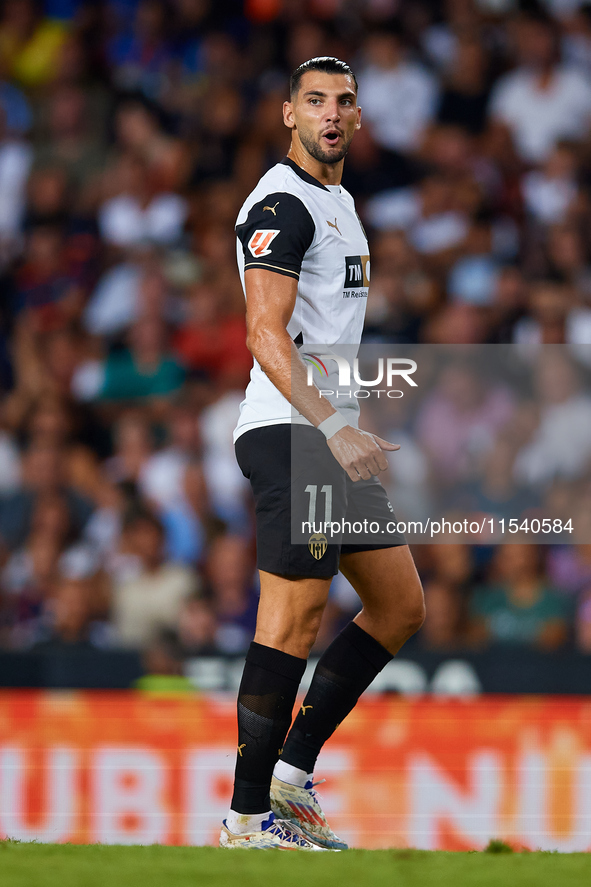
<point>561,446</point>
<point>401,209</point>
<point>539,118</point>
<point>226,485</point>
<point>547,199</point>
<point>15,165</point>
<point>577,330</point>
<point>123,221</point>
<point>399,103</point>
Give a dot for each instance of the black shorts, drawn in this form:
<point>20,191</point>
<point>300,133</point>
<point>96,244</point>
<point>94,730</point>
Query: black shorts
<point>308,510</point>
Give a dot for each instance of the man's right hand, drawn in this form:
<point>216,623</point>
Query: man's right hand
<point>360,453</point>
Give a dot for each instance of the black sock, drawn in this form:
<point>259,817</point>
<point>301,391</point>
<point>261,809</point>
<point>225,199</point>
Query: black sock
<point>267,693</point>
<point>343,672</point>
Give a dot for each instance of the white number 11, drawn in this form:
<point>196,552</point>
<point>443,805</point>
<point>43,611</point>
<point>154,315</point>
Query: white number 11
<point>312,489</point>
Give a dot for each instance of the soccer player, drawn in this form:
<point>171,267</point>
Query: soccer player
<point>304,263</point>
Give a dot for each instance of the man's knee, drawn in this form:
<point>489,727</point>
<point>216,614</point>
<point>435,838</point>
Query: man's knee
<point>293,631</point>
<point>394,625</point>
<point>414,615</point>
<point>306,623</point>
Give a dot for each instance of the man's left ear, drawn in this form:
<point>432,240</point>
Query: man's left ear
<point>358,124</point>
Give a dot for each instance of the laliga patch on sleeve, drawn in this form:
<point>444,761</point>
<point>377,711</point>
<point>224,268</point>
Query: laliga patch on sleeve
<point>260,241</point>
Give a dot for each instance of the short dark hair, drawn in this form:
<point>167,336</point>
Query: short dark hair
<point>325,63</point>
<point>138,514</point>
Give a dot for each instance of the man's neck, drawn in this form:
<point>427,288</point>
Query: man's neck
<point>325,173</point>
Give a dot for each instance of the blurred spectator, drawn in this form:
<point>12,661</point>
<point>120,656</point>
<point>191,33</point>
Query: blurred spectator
<point>541,101</point>
<point>129,290</point>
<point>458,423</point>
<point>561,445</point>
<point>14,108</point>
<point>407,479</point>
<point>146,369</point>
<point>51,556</point>
<point>576,42</point>
<point>557,314</point>
<point>140,57</point>
<point>428,214</point>
<point>518,606</point>
<point>473,279</point>
<point>113,305</point>
<point>402,292</point>
<point>549,193</point>
<point>459,324</point>
<point>496,492</point>
<point>569,568</point>
<point>15,163</point>
<point>583,624</point>
<point>138,213</point>
<point>71,623</point>
<point>70,143</point>
<point>48,198</point>
<point>47,284</point>
<point>213,341</point>
<point>163,663</point>
<point>138,133</point>
<point>228,489</point>
<point>133,445</point>
<point>229,574</point>
<point>218,142</point>
<point>29,43</point>
<point>153,600</point>
<point>27,584</point>
<point>162,475</point>
<point>173,481</point>
<point>43,474</point>
<point>568,256</point>
<point>464,97</point>
<point>444,629</point>
<point>10,459</point>
<point>508,304</point>
<point>398,96</point>
<point>197,627</point>
<point>452,564</point>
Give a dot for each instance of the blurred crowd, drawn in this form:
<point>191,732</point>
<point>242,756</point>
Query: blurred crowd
<point>130,133</point>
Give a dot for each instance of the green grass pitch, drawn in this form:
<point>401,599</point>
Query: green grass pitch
<point>53,865</point>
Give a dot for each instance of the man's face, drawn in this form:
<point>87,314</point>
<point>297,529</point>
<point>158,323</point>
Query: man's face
<point>325,115</point>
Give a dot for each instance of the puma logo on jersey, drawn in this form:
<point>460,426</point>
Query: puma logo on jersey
<point>330,225</point>
<point>260,240</point>
<point>271,208</point>
<point>304,707</point>
<point>240,747</point>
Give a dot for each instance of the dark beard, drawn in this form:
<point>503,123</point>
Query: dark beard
<point>329,157</point>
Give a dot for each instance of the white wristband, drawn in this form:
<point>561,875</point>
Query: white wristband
<point>330,426</point>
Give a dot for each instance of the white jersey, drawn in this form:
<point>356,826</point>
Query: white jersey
<point>291,224</point>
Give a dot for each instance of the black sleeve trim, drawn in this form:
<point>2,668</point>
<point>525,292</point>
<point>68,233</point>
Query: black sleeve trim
<point>277,233</point>
<point>276,268</point>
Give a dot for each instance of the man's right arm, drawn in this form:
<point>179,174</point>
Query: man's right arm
<point>270,300</point>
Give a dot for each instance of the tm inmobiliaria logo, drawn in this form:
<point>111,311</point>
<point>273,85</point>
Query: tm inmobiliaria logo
<point>329,366</point>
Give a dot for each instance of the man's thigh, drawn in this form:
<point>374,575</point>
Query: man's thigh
<point>370,522</point>
<point>289,612</point>
<point>386,581</point>
<point>298,486</point>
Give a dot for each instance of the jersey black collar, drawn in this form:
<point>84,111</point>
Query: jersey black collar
<point>287,161</point>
